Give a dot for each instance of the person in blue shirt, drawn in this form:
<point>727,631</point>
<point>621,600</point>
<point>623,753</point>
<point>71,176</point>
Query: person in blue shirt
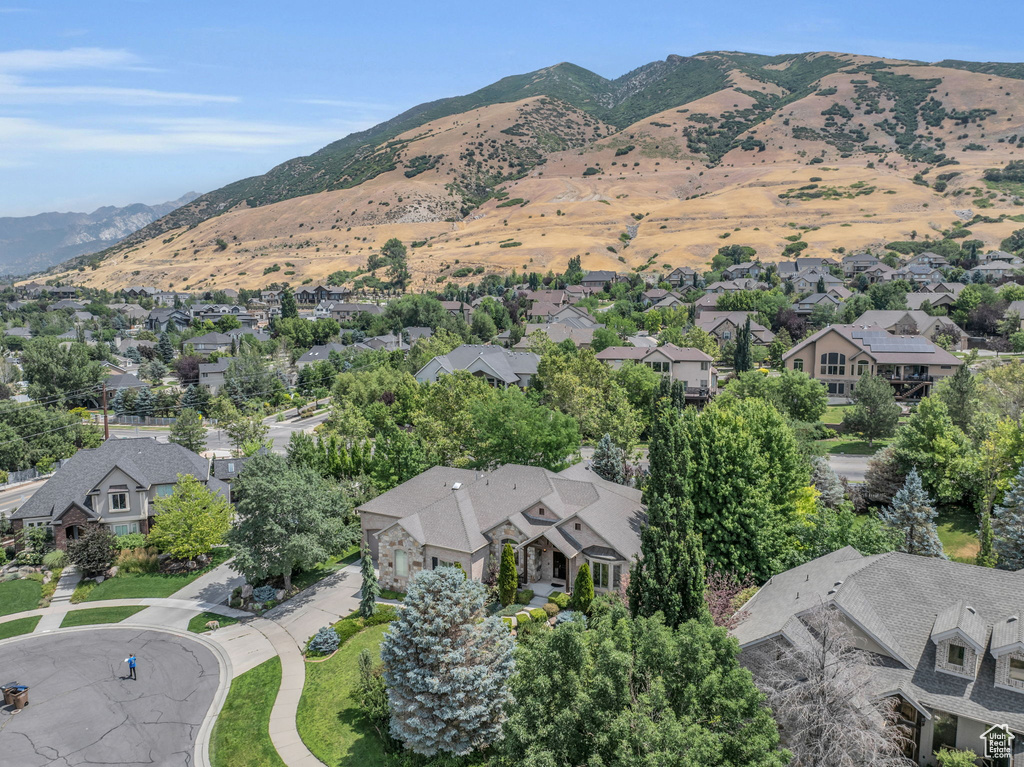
<point>131,667</point>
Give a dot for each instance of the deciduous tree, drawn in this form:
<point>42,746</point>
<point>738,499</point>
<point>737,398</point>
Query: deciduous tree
<point>191,520</point>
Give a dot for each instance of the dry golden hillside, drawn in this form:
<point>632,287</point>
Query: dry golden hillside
<point>533,182</point>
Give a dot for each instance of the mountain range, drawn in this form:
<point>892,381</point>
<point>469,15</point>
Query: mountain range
<point>31,243</point>
<point>660,167</point>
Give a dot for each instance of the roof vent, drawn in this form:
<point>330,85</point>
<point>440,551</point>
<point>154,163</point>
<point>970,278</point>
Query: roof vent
<point>1012,619</point>
<point>971,610</point>
<point>457,486</point>
<point>838,583</point>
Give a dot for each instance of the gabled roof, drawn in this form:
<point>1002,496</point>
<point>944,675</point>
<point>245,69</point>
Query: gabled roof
<point>508,366</point>
<point>144,459</point>
<point>453,508</point>
<point>639,354</point>
<point>903,601</point>
<point>959,618</point>
<point>883,347</point>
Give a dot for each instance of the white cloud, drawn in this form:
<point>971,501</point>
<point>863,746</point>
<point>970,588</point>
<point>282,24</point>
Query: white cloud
<point>14,90</point>
<point>30,60</point>
<point>344,104</point>
<point>22,137</point>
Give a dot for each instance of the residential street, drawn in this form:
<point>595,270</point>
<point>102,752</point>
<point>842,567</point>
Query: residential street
<point>853,467</point>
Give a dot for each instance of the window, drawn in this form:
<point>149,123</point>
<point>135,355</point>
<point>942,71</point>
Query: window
<point>616,576</point>
<point>540,512</point>
<point>945,731</point>
<point>798,364</point>
<point>599,572</point>
<point>162,491</point>
<point>705,365</point>
<point>726,335</point>
<point>119,501</point>
<point>837,389</point>
<point>231,468</point>
<point>436,563</point>
<point>862,367</point>
<point>577,526</point>
<point>401,564</point>
<point>660,367</point>
<point>125,529</point>
<point>833,364</point>
<point>956,655</point>
<point>1017,669</point>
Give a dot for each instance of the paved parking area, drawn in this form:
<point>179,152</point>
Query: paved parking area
<point>83,710</point>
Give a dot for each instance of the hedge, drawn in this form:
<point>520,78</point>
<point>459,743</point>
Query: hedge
<point>524,596</point>
<point>559,598</point>
<point>538,614</point>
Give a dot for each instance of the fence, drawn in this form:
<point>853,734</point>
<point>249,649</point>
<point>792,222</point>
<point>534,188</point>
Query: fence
<point>25,475</point>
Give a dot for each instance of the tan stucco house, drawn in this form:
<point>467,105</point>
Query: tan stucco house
<point>840,354</point>
<point>554,521</point>
<point>695,369</point>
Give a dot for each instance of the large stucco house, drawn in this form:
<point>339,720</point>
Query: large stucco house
<point>113,485</point>
<point>499,367</point>
<point>692,367</point>
<point>947,638</point>
<point>554,521</point>
<point>840,354</point>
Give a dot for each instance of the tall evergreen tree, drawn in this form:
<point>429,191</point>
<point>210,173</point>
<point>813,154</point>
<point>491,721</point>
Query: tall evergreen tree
<point>1008,525</point>
<point>371,586</point>
<point>742,358</point>
<point>188,431</point>
<point>582,589</point>
<point>144,402</point>
<point>986,538</point>
<point>447,667</point>
<point>289,306</point>
<point>165,349</point>
<point>875,412</point>
<point>913,514</point>
<point>508,578</point>
<point>960,393</point>
<point>195,398</point>
<point>609,461</point>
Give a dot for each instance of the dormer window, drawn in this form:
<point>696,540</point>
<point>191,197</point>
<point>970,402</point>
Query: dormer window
<point>1017,669</point>
<point>956,655</point>
<point>541,512</point>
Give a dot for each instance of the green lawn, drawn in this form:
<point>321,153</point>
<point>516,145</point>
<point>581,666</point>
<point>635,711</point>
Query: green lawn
<point>19,627</point>
<point>851,445</point>
<point>17,596</point>
<point>99,615</point>
<point>241,736</point>
<point>198,623</point>
<point>328,719</point>
<point>141,585</point>
<point>834,414</point>
<point>958,532</point>
<point>307,578</point>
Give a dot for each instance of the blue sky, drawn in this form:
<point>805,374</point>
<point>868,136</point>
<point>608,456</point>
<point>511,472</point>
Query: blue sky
<point>118,101</point>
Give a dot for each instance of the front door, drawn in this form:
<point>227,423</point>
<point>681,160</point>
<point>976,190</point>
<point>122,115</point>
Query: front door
<point>558,565</point>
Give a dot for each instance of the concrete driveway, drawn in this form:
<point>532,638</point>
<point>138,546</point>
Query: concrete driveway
<point>82,710</point>
<point>853,467</point>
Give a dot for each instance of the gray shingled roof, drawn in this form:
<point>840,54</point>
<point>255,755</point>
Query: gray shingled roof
<point>901,599</point>
<point>434,512</point>
<point>961,618</point>
<point>144,459</point>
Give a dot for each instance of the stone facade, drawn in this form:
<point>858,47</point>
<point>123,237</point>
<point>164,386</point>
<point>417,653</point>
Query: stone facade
<point>1003,671</point>
<point>971,659</point>
<point>391,541</point>
<point>74,517</point>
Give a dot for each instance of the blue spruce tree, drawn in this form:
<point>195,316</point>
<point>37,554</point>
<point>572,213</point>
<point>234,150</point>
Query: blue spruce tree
<point>1008,525</point>
<point>447,670</point>
<point>913,514</point>
<point>609,461</point>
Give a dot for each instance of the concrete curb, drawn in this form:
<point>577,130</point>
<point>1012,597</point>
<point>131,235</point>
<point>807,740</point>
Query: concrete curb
<point>225,675</point>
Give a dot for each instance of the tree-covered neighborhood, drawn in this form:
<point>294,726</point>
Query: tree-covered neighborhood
<point>666,418</point>
<point>552,518</point>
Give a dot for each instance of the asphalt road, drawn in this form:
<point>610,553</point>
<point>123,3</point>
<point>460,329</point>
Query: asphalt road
<point>83,711</point>
<point>14,497</point>
<point>216,439</point>
<point>852,467</point>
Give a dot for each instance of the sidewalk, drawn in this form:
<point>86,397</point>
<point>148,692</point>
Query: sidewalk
<point>69,578</point>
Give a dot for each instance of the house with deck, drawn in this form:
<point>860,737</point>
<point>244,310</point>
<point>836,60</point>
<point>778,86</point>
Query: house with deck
<point>840,354</point>
<point>692,367</point>
<point>916,323</point>
<point>554,522</point>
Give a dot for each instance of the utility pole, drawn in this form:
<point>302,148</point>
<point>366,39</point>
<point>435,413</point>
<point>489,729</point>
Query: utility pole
<point>106,423</point>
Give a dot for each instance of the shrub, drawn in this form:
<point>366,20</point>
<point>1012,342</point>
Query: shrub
<point>559,598</point>
<point>138,560</point>
<point>325,642</point>
<point>538,614</point>
<point>54,559</point>
<point>591,171</point>
<point>383,614</point>
<point>569,615</point>
<point>550,609</point>
<point>264,593</point>
<point>130,541</point>
<point>27,557</point>
<point>508,622</point>
<point>510,610</point>
<point>347,628</point>
<point>524,596</point>
<point>94,550</point>
<point>523,618</point>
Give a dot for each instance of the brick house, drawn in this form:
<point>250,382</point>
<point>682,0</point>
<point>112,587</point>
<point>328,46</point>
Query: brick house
<point>113,485</point>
